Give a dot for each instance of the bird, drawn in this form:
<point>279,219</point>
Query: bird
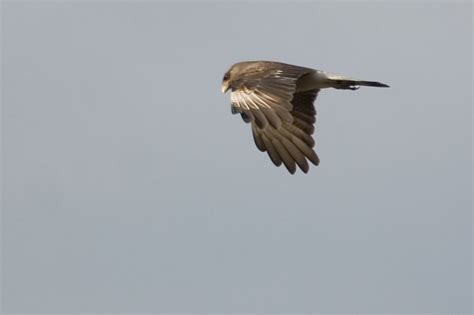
<point>277,100</point>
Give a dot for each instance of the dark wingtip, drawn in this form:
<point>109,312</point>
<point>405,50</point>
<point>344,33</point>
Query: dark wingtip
<point>315,159</point>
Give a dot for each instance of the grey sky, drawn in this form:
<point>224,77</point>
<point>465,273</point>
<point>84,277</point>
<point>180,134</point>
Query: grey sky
<point>129,187</point>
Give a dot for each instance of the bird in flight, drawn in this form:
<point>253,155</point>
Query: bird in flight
<point>277,100</point>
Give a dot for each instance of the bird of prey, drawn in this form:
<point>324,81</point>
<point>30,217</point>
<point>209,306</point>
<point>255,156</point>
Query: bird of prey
<point>277,100</point>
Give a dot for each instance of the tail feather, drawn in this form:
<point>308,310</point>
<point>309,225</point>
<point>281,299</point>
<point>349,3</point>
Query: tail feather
<point>345,83</point>
<point>371,83</point>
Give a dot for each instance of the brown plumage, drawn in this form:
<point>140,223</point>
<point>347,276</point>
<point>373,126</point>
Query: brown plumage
<point>277,99</point>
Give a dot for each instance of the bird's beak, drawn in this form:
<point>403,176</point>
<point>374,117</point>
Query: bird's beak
<point>225,87</point>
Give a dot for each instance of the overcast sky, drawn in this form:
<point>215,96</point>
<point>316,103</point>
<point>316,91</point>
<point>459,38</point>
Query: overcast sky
<point>129,187</point>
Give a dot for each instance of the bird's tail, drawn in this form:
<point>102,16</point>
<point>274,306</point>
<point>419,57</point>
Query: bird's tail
<point>369,83</point>
<point>345,83</point>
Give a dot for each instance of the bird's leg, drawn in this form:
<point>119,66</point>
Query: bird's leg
<point>353,87</point>
<point>346,85</point>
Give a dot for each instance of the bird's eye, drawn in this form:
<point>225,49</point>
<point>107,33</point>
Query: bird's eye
<point>226,76</point>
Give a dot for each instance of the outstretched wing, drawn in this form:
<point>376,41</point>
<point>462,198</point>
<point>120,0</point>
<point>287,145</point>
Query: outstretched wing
<point>265,97</point>
<point>291,143</point>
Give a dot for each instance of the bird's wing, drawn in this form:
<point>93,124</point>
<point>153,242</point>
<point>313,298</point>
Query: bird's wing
<point>264,97</point>
<point>291,143</point>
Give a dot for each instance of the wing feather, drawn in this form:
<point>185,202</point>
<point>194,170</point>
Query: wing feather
<point>269,91</point>
<point>285,156</point>
<point>260,118</point>
<point>291,144</point>
<point>257,137</point>
<point>272,152</point>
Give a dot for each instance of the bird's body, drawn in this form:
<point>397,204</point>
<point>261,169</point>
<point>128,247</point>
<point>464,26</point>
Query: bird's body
<point>277,99</point>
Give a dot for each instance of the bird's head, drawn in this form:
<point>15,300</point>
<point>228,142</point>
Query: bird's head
<point>226,82</point>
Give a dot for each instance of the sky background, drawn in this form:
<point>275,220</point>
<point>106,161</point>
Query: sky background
<point>129,187</point>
